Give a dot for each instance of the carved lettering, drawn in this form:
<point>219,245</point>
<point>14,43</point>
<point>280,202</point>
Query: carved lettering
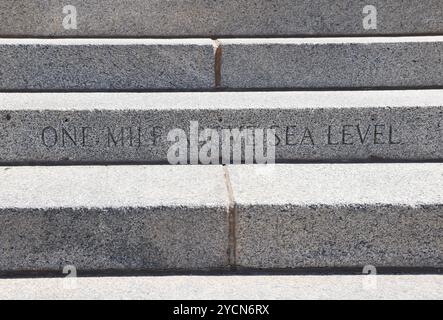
<point>377,134</point>
<point>85,136</point>
<point>69,136</point>
<point>49,137</point>
<point>307,136</point>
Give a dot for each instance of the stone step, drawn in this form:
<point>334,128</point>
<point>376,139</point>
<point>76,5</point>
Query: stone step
<point>176,18</point>
<point>206,218</point>
<point>113,218</point>
<point>384,62</point>
<point>227,287</point>
<point>204,64</point>
<point>106,64</point>
<point>133,128</point>
<point>338,215</point>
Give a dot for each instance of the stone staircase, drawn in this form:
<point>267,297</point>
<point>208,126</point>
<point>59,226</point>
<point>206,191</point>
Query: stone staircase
<point>98,97</point>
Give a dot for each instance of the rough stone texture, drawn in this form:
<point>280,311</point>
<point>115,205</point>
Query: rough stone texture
<point>332,62</point>
<point>310,126</point>
<point>106,64</point>
<point>339,215</point>
<point>179,218</point>
<point>112,218</point>
<point>146,18</point>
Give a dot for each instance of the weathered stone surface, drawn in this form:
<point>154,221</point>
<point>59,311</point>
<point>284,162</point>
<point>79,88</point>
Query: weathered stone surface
<point>106,64</point>
<point>110,128</point>
<point>219,18</point>
<point>332,62</point>
<point>338,215</point>
<point>113,218</point>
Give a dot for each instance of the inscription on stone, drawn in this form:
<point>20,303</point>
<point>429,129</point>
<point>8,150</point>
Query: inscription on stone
<point>109,137</point>
<point>297,126</point>
<point>290,135</point>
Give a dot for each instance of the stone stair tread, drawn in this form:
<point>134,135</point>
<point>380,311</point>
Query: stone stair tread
<point>213,218</point>
<point>106,64</point>
<point>178,18</point>
<point>132,128</point>
<point>335,63</point>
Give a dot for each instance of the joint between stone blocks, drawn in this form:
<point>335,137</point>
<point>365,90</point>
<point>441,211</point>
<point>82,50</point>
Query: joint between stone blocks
<point>232,221</point>
<point>217,63</point>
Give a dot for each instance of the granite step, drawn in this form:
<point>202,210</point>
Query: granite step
<point>101,219</point>
<point>178,18</point>
<point>133,128</point>
<point>338,215</point>
<point>228,287</point>
<point>113,218</point>
<point>106,64</point>
<point>334,63</point>
<point>205,64</point>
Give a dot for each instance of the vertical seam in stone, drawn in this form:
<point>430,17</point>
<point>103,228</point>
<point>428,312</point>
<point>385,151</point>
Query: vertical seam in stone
<point>232,219</point>
<point>217,63</point>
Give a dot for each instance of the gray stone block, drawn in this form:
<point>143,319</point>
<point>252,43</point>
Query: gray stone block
<point>106,128</point>
<point>113,218</point>
<point>105,64</point>
<point>305,63</point>
<point>182,218</point>
<point>175,18</point>
<point>338,215</point>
